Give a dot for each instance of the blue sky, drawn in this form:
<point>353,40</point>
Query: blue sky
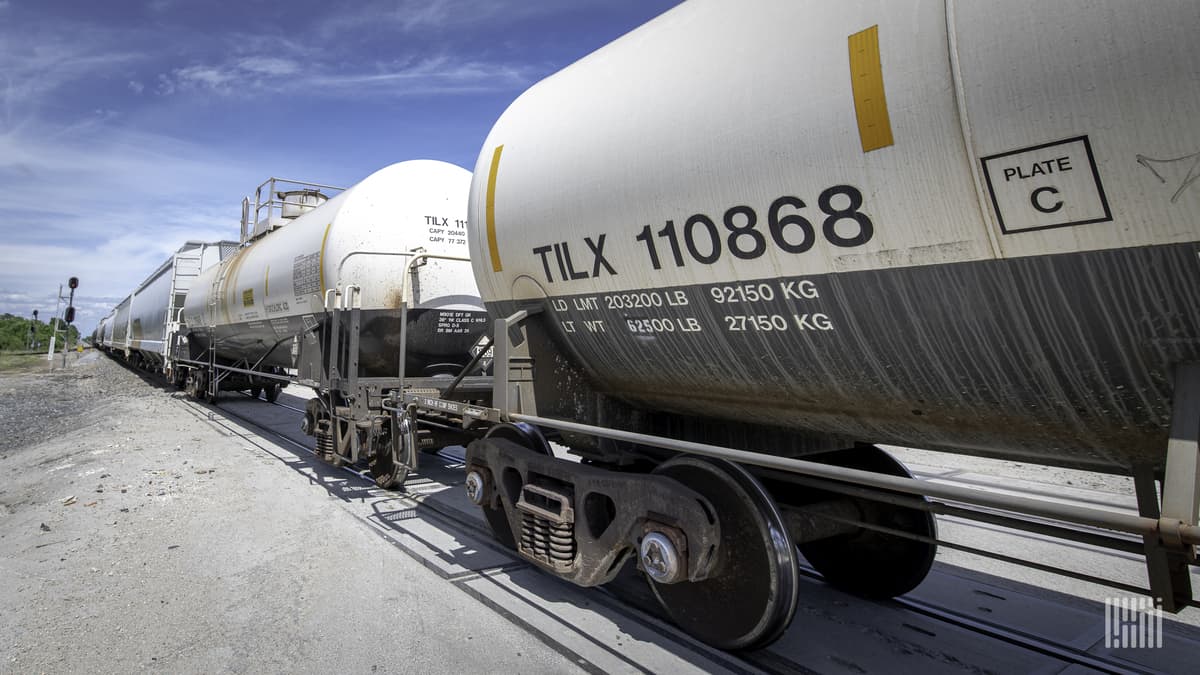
<point>127,128</point>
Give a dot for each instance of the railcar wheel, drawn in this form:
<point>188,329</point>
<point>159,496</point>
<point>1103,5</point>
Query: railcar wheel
<point>272,390</point>
<point>527,436</point>
<point>752,594</point>
<point>255,392</point>
<point>198,387</point>
<point>389,465</point>
<point>870,563</point>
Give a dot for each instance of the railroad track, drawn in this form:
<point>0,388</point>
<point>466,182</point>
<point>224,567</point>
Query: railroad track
<point>637,612</point>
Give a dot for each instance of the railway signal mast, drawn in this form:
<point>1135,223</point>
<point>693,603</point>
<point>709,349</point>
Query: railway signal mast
<point>64,323</point>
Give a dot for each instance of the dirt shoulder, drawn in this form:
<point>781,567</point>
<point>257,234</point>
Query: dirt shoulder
<point>136,531</point>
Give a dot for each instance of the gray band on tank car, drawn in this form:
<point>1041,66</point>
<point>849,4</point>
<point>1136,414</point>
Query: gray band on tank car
<point>1062,359</point>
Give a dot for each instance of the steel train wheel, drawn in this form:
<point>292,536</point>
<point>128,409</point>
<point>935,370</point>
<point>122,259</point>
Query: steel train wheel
<point>388,465</point>
<point>272,390</point>
<point>870,563</point>
<point>751,597</point>
<point>198,387</point>
<point>255,392</point>
<point>527,436</point>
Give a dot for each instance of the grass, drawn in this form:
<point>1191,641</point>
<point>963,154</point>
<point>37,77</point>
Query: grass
<point>25,362</point>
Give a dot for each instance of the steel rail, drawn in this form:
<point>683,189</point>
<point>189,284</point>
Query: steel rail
<point>1009,634</point>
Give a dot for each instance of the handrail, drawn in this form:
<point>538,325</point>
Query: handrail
<point>1187,533</point>
<point>251,219</point>
<point>412,263</point>
<point>414,256</point>
<point>350,293</point>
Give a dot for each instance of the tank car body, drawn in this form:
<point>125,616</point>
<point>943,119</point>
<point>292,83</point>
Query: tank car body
<point>965,226</point>
<point>356,296</point>
<point>262,301</point>
<point>741,245</point>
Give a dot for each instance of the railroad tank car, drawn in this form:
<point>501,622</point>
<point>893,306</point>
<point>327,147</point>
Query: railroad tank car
<point>964,226</point>
<point>778,234</point>
<point>260,301</point>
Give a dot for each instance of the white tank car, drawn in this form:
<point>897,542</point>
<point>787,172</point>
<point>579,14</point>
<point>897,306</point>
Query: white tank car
<point>966,226</point>
<point>257,302</point>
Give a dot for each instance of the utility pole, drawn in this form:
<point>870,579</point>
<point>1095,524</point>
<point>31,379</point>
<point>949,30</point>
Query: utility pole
<point>54,328</point>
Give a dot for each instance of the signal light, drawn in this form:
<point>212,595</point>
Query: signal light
<point>70,315</point>
<point>73,283</point>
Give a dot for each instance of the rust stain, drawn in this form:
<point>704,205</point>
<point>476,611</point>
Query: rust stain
<point>394,299</point>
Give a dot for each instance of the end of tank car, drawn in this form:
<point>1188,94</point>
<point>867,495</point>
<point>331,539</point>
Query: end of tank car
<point>727,275</point>
<point>348,292</point>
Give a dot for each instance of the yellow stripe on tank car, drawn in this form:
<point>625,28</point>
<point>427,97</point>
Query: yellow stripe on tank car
<point>321,260</point>
<point>490,214</point>
<point>866,81</point>
<point>266,282</point>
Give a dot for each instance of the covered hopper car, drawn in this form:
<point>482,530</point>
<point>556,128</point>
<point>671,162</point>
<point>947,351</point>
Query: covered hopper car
<point>142,327</point>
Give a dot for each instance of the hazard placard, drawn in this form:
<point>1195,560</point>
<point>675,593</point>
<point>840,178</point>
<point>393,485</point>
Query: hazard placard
<point>1046,186</point>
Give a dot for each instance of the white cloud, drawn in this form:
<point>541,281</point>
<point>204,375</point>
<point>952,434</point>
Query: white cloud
<point>445,16</point>
<point>165,86</point>
<point>267,65</point>
<point>88,193</point>
<point>431,75</point>
<point>204,77</point>
<point>37,66</point>
<point>107,208</point>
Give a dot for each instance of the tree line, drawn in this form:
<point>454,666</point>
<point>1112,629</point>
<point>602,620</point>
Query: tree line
<point>15,335</point>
